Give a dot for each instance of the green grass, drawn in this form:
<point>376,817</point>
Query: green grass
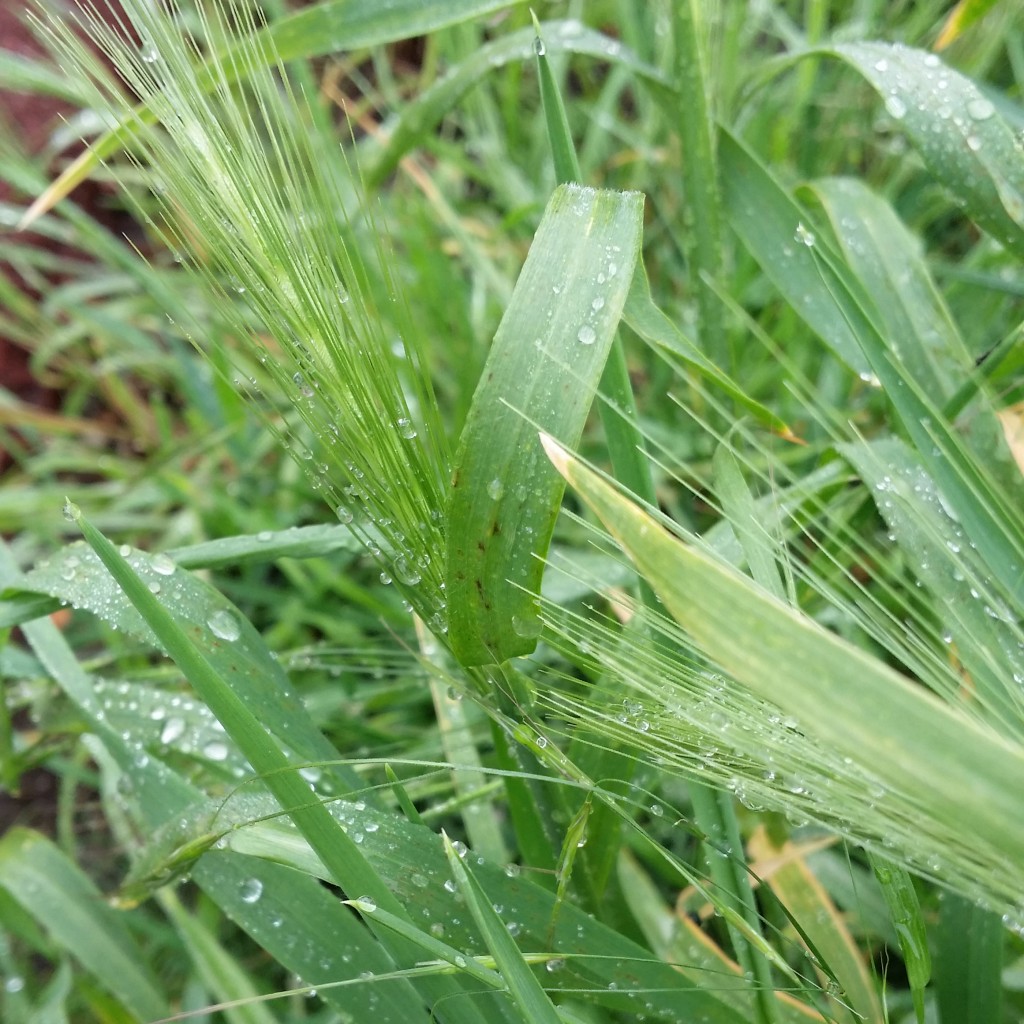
<point>542,529</point>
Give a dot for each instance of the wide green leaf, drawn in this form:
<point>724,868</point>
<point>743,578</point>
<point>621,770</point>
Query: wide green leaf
<point>76,576</point>
<point>543,370</point>
<point>962,138</point>
<point>887,259</point>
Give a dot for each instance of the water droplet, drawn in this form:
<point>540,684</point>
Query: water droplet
<point>526,626</point>
<point>554,965</point>
<point>224,624</point>
<point>215,751</point>
<point>70,511</point>
<point>882,65</point>
<point>538,46</point>
<point>406,572</point>
<point>405,428</point>
<point>252,890</point>
<point>149,54</point>
<point>597,304</point>
<point>173,729</point>
<point>343,514</point>
<point>804,236</point>
<point>14,984</point>
<point>385,578</point>
<point>896,107</point>
<point>586,335</point>
<point>163,565</point>
<point>973,143</point>
<point>495,489</point>
<point>154,587</point>
<point>300,382</point>
<point>366,904</point>
<point>980,109</point>
<point>460,848</point>
<point>124,550</point>
<point>264,535</point>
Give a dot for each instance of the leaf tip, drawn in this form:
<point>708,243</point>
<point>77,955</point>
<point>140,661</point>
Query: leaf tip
<point>71,512</point>
<point>39,206</point>
<point>556,453</point>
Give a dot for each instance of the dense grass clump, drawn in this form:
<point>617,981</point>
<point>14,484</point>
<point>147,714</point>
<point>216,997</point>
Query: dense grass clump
<point>542,528</point>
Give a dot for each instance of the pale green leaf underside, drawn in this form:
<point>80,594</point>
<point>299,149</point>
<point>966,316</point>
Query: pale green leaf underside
<point>542,371</point>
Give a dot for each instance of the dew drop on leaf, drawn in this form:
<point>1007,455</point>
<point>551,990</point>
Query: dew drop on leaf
<point>224,625</point>
<point>252,890</point>
<point>527,626</point>
<point>586,335</point>
<point>804,236</point>
<point>896,107</point>
<point>163,565</point>
<point>173,729</point>
<point>980,109</point>
<point>215,750</point>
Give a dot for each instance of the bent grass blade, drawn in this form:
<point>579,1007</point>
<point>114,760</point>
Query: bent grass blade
<point>543,370</point>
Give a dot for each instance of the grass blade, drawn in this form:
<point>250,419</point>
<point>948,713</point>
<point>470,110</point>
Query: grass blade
<point>961,137</point>
<point>310,32</point>
<point>700,174</point>
<point>543,368</point>
<point>643,317</point>
<point>523,987</point>
<point>342,856</point>
<point>960,18</point>
<point>821,288</point>
<point>886,258</point>
<point>866,721</point>
<point>419,119</point>
<point>905,909</point>
<point>236,652</point>
<point>969,962</point>
<point>67,904</point>
<point>821,925</point>
<point>563,152</point>
<point>220,972</point>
